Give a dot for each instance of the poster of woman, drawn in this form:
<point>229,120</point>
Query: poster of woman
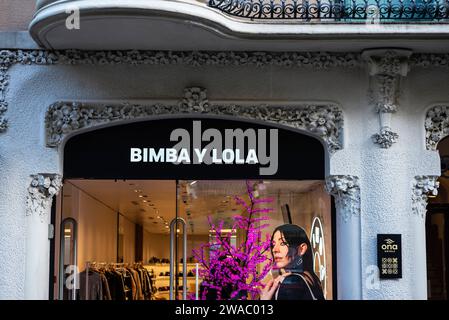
<point>293,264</point>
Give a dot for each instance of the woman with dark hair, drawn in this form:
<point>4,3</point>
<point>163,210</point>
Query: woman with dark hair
<point>293,258</point>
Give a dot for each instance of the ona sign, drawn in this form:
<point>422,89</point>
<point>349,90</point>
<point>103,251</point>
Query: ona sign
<point>386,247</point>
<point>389,256</point>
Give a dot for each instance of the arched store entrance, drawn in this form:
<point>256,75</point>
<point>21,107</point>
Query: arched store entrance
<point>125,184</point>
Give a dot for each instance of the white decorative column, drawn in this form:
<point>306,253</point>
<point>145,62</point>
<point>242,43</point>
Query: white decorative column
<point>346,191</point>
<point>422,187</point>
<point>41,191</point>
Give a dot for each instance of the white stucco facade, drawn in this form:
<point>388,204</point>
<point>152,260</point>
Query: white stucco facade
<point>385,175</point>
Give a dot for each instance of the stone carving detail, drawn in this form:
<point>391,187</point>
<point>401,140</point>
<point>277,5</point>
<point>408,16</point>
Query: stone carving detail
<point>436,125</point>
<point>346,190</point>
<point>40,193</point>
<point>324,121</point>
<point>386,101</point>
<point>317,60</point>
<point>385,138</point>
<point>386,67</point>
<point>427,60</point>
<point>195,99</point>
<point>423,186</point>
<point>5,63</point>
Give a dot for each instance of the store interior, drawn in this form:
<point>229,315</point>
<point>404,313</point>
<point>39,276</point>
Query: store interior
<point>123,226</point>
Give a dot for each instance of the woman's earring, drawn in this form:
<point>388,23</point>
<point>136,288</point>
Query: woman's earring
<point>299,261</point>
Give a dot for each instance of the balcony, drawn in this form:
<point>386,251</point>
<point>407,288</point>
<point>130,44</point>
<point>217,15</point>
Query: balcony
<point>391,11</point>
<point>337,25</point>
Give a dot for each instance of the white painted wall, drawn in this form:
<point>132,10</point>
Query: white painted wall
<point>97,226</point>
<point>158,245</point>
<point>155,245</point>
<point>97,232</point>
<point>128,229</point>
<point>385,175</point>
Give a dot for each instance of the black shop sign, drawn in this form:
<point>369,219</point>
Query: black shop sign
<point>194,148</point>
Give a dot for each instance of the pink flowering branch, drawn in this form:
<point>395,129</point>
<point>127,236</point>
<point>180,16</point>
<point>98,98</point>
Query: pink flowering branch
<point>231,272</point>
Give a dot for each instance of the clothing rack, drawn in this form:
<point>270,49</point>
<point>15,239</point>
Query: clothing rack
<point>125,269</point>
<point>90,265</point>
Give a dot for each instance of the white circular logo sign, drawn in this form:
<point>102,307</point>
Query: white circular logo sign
<point>319,251</point>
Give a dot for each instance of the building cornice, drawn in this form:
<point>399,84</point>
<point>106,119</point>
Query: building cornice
<point>386,69</point>
<point>312,60</point>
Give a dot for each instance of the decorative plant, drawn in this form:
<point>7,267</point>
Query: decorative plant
<point>231,271</point>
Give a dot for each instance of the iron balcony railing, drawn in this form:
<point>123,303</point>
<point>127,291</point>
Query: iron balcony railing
<point>336,10</point>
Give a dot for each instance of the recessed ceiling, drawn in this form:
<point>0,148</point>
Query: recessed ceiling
<point>141,201</point>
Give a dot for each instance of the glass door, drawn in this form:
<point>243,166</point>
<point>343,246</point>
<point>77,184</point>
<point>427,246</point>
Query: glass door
<point>68,259</point>
<point>208,209</point>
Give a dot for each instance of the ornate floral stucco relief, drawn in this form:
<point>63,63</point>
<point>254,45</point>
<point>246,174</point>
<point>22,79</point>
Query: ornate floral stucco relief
<point>324,121</point>
<point>346,190</point>
<point>42,189</point>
